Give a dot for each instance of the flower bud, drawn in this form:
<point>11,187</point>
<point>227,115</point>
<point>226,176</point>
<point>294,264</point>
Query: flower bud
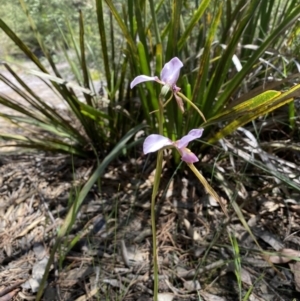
<point>164,90</point>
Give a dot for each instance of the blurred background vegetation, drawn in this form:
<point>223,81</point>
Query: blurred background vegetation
<point>51,19</point>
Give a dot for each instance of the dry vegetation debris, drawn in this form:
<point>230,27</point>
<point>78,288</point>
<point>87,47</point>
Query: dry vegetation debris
<point>112,254</point>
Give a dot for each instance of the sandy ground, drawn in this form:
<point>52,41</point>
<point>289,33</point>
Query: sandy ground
<point>36,84</point>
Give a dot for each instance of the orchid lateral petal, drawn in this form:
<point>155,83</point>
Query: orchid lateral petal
<point>142,78</point>
<point>187,156</point>
<point>155,142</point>
<point>170,72</point>
<point>176,89</point>
<point>192,135</point>
<point>179,102</point>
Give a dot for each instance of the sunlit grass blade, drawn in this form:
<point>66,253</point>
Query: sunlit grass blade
<point>243,108</point>
<point>140,29</point>
<point>269,105</point>
<point>144,67</point>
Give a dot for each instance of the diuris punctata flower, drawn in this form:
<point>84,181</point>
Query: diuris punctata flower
<point>156,142</point>
<point>168,77</point>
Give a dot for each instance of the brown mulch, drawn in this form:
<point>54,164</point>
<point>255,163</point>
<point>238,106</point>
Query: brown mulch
<point>111,259</point>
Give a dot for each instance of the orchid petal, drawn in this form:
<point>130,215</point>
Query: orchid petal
<point>176,89</point>
<point>170,72</point>
<point>155,142</point>
<point>142,78</point>
<point>187,156</point>
<point>179,102</point>
<point>192,135</point>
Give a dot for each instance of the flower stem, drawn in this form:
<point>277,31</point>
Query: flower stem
<point>192,104</point>
<point>153,221</point>
<point>157,176</point>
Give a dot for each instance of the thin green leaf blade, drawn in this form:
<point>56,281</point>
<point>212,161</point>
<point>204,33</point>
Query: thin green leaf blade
<point>236,81</point>
<point>193,22</point>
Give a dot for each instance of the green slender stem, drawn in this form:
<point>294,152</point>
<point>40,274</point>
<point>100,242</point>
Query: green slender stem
<point>153,222</point>
<point>153,198</point>
<point>161,115</point>
<point>192,104</point>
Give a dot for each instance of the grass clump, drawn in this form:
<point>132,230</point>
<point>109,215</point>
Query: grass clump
<point>237,83</point>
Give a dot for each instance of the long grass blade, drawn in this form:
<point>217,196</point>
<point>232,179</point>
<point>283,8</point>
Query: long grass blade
<point>69,220</point>
<point>193,22</point>
<point>204,65</point>
<point>266,106</point>
<point>225,62</point>
<point>123,27</point>
<point>21,45</point>
<point>174,31</point>
<point>86,80</point>
<point>239,77</point>
<point>101,27</point>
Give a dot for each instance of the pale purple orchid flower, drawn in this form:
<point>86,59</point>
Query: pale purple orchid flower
<point>156,142</point>
<point>168,77</point>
